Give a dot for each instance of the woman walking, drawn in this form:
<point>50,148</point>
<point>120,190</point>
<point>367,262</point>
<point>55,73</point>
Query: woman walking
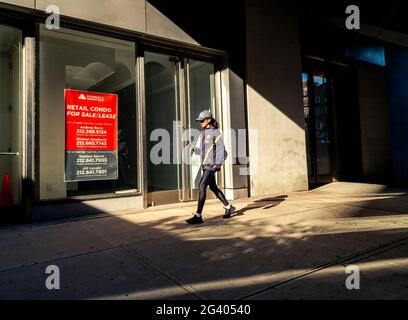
<point>213,155</point>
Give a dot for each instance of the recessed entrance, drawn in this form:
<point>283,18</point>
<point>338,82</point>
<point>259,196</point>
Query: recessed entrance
<point>340,100</point>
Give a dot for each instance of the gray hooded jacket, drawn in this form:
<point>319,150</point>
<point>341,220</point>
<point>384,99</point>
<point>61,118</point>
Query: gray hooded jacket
<point>212,152</point>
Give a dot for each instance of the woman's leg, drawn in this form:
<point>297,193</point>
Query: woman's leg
<point>204,182</point>
<point>214,188</point>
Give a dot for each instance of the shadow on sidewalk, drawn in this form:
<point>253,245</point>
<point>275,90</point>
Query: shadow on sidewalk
<point>218,260</point>
<point>265,203</point>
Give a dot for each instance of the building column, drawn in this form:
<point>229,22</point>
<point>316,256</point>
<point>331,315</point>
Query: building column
<point>277,142</point>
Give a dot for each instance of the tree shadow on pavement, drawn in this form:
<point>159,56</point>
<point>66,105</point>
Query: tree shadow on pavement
<point>155,255</point>
<point>265,203</point>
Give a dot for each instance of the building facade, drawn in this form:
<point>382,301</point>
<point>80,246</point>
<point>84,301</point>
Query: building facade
<point>301,102</point>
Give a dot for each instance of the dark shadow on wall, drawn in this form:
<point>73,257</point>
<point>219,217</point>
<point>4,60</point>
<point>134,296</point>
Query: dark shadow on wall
<point>389,15</point>
<point>214,24</point>
<point>361,143</point>
<point>320,39</point>
<point>266,35</point>
<point>221,259</point>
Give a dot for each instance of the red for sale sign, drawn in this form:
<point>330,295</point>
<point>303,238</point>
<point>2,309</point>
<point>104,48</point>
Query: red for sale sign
<point>91,142</point>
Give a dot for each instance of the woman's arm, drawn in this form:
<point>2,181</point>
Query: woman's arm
<point>220,152</point>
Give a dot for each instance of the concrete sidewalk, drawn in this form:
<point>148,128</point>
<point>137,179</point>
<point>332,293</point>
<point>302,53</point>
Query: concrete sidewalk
<point>292,246</point>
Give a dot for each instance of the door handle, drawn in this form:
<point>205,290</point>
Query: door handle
<point>10,154</point>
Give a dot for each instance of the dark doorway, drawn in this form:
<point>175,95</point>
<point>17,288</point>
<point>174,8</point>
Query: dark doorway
<point>332,121</point>
<point>347,149</point>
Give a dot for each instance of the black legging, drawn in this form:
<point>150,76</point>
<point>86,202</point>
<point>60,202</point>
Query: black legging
<point>208,179</point>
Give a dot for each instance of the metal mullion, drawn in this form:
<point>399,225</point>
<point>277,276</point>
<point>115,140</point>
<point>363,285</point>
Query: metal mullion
<point>222,114</point>
<point>182,106</point>
<point>177,106</point>
<point>188,122</point>
<point>142,133</point>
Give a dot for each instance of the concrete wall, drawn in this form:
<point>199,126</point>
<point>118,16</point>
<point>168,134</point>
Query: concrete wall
<point>127,14</point>
<point>135,15</point>
<point>23,3</point>
<point>375,127</point>
<point>274,88</point>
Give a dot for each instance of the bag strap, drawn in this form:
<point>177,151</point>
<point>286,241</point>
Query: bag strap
<point>211,149</point>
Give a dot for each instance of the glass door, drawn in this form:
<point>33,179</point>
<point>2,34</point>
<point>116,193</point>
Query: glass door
<point>200,96</point>
<point>317,123</point>
<point>10,116</point>
<point>163,116</point>
<point>177,90</point>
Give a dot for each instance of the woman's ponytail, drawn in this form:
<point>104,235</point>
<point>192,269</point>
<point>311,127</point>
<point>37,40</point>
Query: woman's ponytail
<point>214,123</point>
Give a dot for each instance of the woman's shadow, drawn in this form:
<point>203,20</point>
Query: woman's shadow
<point>265,203</point>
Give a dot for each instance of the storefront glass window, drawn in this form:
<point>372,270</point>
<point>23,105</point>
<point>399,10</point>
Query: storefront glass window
<point>87,115</point>
<point>10,116</point>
